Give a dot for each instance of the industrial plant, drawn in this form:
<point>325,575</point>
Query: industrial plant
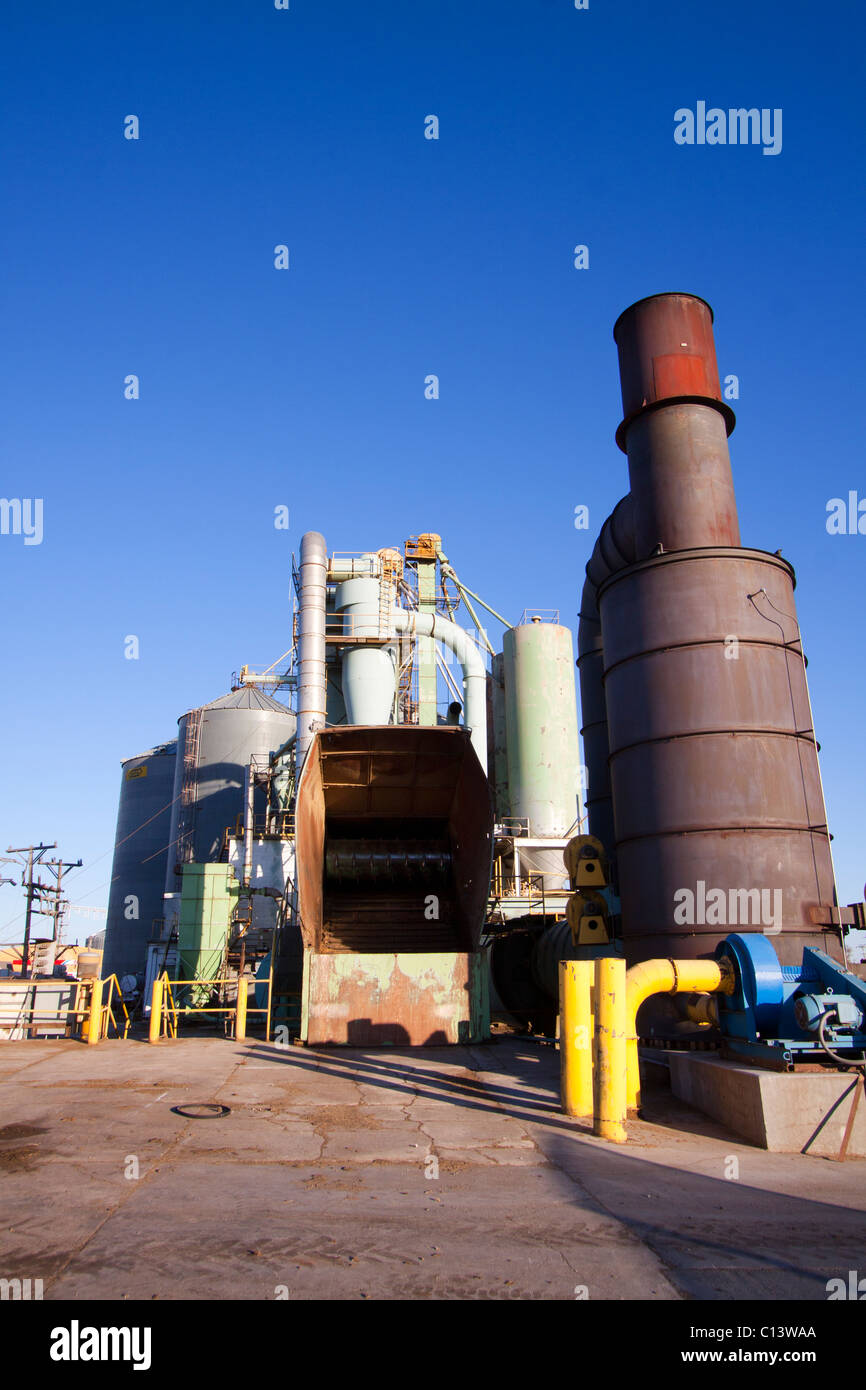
<point>391,837</point>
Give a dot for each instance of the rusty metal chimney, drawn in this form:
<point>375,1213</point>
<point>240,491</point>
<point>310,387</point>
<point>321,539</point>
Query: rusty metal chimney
<point>693,669</point>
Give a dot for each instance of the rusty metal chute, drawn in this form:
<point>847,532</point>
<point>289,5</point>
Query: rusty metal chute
<point>394,838</point>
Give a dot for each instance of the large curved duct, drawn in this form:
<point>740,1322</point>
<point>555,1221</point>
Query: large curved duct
<point>474,670</point>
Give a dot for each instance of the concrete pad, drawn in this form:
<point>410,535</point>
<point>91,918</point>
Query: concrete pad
<point>318,1183</point>
<point>784,1112</point>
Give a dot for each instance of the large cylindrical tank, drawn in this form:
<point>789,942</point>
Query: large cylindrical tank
<point>541,727</point>
<point>140,858</point>
<point>713,760</point>
<point>368,672</point>
<point>215,744</point>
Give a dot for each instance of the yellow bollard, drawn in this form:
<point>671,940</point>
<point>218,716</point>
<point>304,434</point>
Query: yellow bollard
<point>156,1010</point>
<point>610,1034</point>
<point>241,1012</point>
<point>94,1018</point>
<point>575,1036</point>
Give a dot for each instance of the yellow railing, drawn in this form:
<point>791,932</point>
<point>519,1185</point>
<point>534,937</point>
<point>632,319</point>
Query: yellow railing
<point>165,1012</point>
<point>90,1013</point>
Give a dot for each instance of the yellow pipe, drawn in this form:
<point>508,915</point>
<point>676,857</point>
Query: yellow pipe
<point>610,1035</point>
<point>667,977</point>
<point>575,1036</point>
<point>94,1018</point>
<point>241,1014</point>
<point>156,1011</point>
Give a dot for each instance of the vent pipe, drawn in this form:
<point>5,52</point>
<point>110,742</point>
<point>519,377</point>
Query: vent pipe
<point>312,677</point>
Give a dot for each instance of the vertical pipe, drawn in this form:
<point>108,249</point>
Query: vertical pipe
<point>426,647</point>
<point>249,788</point>
<point>156,1011</point>
<point>610,1037</point>
<point>270,995</point>
<point>94,1019</point>
<point>241,1011</point>
<point>575,1037</point>
<point>312,676</point>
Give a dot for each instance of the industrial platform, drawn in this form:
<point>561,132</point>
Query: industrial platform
<point>322,1182</point>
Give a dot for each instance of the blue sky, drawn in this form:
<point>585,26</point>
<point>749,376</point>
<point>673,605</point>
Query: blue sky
<point>408,256</point>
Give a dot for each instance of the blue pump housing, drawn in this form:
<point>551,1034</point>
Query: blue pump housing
<point>779,1013</point>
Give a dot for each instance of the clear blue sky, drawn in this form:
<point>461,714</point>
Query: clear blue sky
<point>408,257</point>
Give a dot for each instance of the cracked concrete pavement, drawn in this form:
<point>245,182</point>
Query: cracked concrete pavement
<point>389,1174</point>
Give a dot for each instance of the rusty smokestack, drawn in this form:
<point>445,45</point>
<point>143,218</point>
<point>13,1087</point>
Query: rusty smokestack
<point>692,675</point>
<point>675,425</point>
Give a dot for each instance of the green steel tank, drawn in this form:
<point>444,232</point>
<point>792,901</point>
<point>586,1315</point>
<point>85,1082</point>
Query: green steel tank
<point>541,728</point>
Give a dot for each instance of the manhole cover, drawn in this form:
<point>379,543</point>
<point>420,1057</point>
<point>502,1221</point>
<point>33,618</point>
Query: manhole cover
<point>206,1111</point>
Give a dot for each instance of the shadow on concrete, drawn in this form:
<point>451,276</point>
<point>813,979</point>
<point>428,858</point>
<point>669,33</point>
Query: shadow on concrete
<point>718,1237</point>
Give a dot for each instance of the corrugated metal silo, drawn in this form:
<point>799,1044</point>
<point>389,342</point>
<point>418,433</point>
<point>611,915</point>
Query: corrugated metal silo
<point>140,858</point>
<point>215,744</point>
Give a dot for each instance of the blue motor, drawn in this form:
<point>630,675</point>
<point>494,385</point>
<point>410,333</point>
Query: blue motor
<point>778,1014</point>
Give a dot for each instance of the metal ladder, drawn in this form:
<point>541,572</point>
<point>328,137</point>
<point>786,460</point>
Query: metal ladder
<point>188,789</point>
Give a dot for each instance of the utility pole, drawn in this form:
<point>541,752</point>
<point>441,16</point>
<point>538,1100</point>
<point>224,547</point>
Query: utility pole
<point>57,867</point>
<point>39,894</point>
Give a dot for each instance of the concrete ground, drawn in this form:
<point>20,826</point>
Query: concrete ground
<point>393,1174</point>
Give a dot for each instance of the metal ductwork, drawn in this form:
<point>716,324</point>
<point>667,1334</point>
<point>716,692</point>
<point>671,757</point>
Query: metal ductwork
<point>703,766</point>
<point>312,676</point>
<point>471,661</point>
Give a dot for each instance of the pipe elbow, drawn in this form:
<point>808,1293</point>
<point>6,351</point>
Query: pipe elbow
<point>648,978</point>
<point>676,977</point>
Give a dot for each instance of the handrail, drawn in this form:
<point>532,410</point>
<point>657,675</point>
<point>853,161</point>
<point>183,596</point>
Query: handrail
<point>163,1004</point>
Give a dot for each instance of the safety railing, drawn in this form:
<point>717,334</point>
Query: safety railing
<point>509,885</point>
<point>86,1009</point>
<point>540,615</point>
<point>104,1008</point>
<point>166,1010</point>
<point>276,824</point>
<point>514,827</point>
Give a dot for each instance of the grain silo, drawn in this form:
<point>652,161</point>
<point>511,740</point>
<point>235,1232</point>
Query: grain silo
<point>140,858</point>
<point>214,747</point>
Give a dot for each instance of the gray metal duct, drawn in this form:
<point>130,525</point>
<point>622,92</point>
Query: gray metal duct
<point>470,659</point>
<point>312,677</point>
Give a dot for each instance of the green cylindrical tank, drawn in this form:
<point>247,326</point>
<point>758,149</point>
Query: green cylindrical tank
<point>541,727</point>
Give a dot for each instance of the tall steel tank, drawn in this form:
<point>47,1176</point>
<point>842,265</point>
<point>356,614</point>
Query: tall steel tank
<point>214,747</point>
<point>140,858</point>
<point>541,728</point>
<point>717,798</point>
